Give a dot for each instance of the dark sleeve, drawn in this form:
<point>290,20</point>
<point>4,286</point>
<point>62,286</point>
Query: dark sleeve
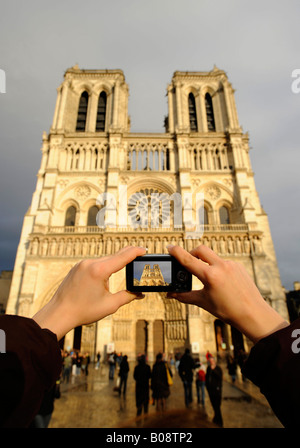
<point>274,366</point>
<point>29,367</point>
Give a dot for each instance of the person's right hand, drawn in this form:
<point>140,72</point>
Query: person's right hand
<point>229,293</point>
<point>84,297</point>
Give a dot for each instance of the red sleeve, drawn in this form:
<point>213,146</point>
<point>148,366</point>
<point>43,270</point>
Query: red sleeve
<point>30,366</point>
<point>274,366</point>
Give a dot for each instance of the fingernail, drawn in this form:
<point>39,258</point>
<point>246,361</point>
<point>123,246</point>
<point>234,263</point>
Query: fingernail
<point>140,296</point>
<point>170,246</point>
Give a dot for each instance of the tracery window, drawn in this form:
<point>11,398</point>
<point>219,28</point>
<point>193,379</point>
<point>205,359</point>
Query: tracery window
<point>150,208</point>
<point>101,112</point>
<point>82,112</point>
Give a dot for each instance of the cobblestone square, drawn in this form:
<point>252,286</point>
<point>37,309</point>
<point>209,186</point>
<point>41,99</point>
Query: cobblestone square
<point>91,402</point>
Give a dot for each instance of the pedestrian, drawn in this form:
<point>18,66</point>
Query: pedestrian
<point>98,361</point>
<point>200,382</point>
<point>213,382</point>
<point>123,374</point>
<point>207,356</point>
<point>142,375</point>
<point>159,382</point>
<point>67,366</point>
<point>231,367</point>
<point>185,370</point>
<point>85,364</point>
<point>112,366</point>
<point>177,360</point>
<point>78,363</point>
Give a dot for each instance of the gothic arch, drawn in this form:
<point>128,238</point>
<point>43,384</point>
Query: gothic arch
<point>85,193</point>
<point>94,191</point>
<point>154,183</point>
<point>215,193</point>
<point>102,87</point>
<point>82,87</point>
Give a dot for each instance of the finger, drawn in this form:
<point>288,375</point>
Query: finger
<point>206,254</point>
<point>121,259</point>
<point>108,257</point>
<point>191,263</point>
<point>191,297</point>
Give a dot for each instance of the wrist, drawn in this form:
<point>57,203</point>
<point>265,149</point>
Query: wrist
<point>261,321</point>
<point>55,318</point>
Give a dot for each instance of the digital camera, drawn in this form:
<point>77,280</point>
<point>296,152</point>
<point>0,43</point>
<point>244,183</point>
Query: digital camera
<point>158,273</point>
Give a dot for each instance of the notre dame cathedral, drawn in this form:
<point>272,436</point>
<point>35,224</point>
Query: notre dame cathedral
<point>90,150</point>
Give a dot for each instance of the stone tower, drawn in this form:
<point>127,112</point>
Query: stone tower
<point>89,151</point>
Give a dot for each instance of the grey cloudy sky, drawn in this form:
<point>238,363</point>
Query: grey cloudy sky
<point>256,43</point>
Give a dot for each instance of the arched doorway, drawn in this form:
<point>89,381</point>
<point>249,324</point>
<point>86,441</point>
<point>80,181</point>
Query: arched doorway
<point>141,339</point>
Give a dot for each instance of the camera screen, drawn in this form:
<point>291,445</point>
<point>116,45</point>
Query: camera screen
<point>152,273</point>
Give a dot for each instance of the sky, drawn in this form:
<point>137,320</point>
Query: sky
<point>256,43</point>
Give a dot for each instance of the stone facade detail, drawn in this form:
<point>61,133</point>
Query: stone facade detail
<point>89,151</point>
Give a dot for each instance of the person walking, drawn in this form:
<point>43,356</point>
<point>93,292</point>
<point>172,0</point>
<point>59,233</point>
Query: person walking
<point>67,366</point>
<point>231,367</point>
<point>213,381</point>
<point>98,361</point>
<point>159,382</point>
<point>123,374</point>
<point>112,366</point>
<point>142,375</point>
<point>185,370</point>
<point>200,382</point>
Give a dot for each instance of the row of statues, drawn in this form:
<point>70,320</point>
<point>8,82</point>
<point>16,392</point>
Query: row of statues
<point>97,246</point>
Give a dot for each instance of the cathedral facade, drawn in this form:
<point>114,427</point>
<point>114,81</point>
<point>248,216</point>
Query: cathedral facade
<point>92,165</point>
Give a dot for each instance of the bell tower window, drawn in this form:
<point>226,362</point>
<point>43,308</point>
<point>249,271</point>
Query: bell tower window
<point>82,112</point>
<point>101,113</point>
<point>192,113</point>
<point>209,113</point>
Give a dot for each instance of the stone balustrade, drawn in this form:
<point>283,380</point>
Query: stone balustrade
<point>81,241</point>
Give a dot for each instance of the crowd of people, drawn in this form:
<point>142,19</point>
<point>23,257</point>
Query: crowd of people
<point>74,363</point>
<point>153,386</point>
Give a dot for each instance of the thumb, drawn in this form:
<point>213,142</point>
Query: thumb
<point>124,297</point>
<point>191,297</point>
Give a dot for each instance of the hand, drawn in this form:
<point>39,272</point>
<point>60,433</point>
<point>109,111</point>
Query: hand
<point>84,297</point>
<point>229,293</point>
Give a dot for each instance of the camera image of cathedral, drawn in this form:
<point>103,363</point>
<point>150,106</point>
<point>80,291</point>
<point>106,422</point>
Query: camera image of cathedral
<point>90,150</point>
<point>151,276</point>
